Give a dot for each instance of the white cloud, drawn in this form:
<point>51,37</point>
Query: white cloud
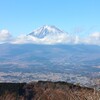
<point>95,35</point>
<point>22,39</point>
<point>76,40</point>
<point>63,38</point>
<point>4,35</point>
<point>93,38</point>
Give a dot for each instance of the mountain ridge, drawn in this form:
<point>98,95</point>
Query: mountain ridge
<point>46,90</point>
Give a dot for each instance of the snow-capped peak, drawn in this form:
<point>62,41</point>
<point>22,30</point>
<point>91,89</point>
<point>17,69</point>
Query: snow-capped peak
<point>46,30</point>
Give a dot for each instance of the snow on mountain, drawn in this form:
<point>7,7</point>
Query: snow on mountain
<point>50,35</point>
<point>47,30</point>
<point>46,35</point>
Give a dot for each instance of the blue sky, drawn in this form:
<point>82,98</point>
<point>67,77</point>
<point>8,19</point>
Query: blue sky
<point>23,16</point>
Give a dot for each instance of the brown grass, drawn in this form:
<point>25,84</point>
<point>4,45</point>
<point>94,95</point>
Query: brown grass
<point>51,91</point>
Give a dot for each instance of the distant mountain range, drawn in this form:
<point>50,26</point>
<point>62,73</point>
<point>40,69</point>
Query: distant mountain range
<point>27,62</point>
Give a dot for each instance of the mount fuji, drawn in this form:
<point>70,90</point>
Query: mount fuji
<point>47,30</point>
<point>44,35</point>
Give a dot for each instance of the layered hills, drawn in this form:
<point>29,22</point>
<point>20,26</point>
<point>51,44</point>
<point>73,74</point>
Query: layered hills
<point>30,62</point>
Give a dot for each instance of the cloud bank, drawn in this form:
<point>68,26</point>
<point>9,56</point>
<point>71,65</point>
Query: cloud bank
<point>5,36</point>
<point>93,38</point>
<point>63,38</point>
